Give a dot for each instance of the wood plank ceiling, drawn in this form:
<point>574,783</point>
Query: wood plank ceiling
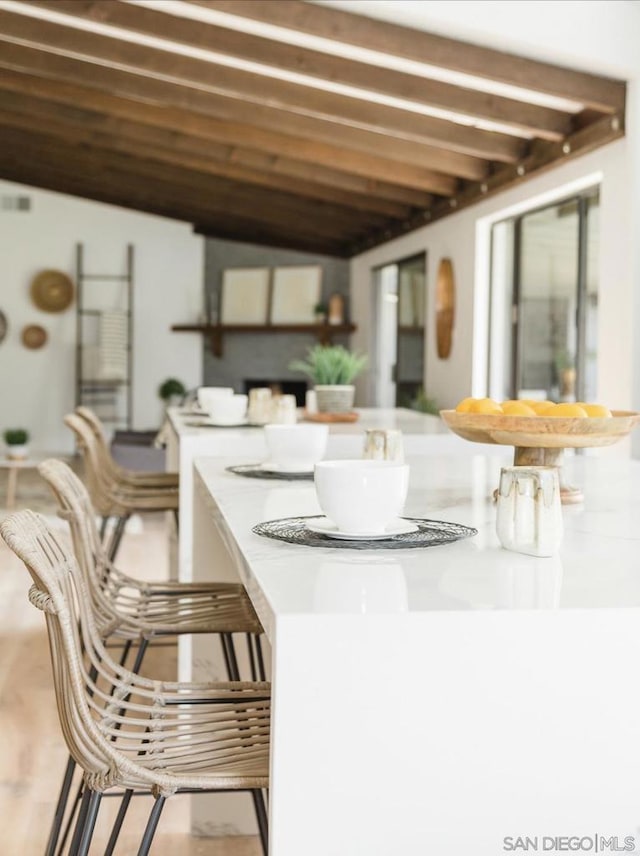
<point>279,121</point>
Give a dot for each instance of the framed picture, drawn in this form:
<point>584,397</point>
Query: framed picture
<point>295,294</point>
<point>244,298</point>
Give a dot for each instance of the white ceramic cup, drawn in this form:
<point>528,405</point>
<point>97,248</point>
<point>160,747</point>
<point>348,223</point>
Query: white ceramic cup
<point>296,448</point>
<point>206,394</point>
<point>529,514</point>
<point>227,409</point>
<point>361,497</point>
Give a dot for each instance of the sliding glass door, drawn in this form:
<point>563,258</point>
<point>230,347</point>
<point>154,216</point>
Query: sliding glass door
<point>544,302</point>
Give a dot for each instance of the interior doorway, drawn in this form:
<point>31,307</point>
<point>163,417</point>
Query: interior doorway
<point>399,312</point>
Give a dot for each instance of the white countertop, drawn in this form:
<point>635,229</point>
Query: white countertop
<point>436,700</point>
<point>598,566</point>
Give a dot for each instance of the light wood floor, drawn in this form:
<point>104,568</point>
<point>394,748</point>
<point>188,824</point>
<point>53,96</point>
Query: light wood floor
<point>32,754</point>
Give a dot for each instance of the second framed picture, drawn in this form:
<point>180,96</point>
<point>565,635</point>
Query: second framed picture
<point>296,291</point>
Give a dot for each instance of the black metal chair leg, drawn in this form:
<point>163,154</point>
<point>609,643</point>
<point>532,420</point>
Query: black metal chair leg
<point>152,824</point>
<point>117,826</point>
<point>90,822</point>
<point>82,815</point>
<point>262,672</point>
<point>104,522</point>
<point>261,817</point>
<point>125,652</point>
<point>234,671</point>
<point>142,650</point>
<point>252,657</point>
<point>118,532</point>
<point>69,825</point>
<point>61,805</point>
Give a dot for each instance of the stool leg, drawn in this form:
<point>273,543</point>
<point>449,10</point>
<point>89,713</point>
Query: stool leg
<point>152,824</point>
<point>77,802</point>
<point>230,657</point>
<point>90,822</point>
<point>262,672</point>
<point>261,817</point>
<point>118,532</point>
<point>117,826</point>
<point>82,815</point>
<point>60,807</point>
<point>252,658</point>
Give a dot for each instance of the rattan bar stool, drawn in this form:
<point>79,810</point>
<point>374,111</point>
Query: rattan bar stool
<point>122,475</point>
<point>135,611</point>
<point>112,497</point>
<point>128,732</point>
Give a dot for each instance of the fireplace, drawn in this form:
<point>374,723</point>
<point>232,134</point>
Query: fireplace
<point>281,387</point>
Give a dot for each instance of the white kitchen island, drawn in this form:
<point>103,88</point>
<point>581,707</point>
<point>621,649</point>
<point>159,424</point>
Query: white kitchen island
<point>441,701</point>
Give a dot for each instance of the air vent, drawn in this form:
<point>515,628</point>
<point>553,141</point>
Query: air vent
<point>15,203</point>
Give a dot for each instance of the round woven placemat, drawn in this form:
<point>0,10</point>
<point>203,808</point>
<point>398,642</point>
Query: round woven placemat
<point>293,530</point>
<point>255,471</point>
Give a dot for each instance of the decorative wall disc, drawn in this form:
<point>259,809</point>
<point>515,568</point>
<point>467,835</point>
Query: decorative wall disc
<point>445,308</point>
<point>52,291</point>
<point>34,336</point>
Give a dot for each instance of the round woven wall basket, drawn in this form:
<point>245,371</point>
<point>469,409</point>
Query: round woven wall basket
<point>52,291</point>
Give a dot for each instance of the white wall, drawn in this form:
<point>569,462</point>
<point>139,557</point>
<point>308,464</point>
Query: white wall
<point>601,37</point>
<point>38,387</point>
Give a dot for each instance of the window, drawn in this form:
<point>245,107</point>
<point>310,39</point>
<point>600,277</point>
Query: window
<point>544,302</point>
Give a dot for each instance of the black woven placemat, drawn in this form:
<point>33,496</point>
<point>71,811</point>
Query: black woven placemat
<point>293,530</point>
<point>255,471</point>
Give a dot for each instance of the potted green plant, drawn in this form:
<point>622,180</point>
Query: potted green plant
<point>172,391</point>
<point>320,313</point>
<point>332,368</point>
<point>17,440</point>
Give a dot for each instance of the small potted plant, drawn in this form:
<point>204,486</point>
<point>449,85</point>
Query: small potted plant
<point>172,391</point>
<point>332,368</point>
<point>16,440</point>
<point>320,313</point>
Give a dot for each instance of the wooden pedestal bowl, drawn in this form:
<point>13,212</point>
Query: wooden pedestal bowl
<point>541,440</point>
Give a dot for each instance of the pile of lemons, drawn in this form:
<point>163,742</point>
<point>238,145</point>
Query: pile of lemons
<point>527,407</point>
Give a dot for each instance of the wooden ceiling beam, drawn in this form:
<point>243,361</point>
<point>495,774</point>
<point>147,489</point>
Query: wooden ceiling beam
<point>216,224</point>
<point>250,90</point>
<point>600,93</point>
<point>279,209</point>
<point>545,156</point>
<point>366,154</point>
<point>71,125</point>
<point>542,122</point>
<point>324,164</point>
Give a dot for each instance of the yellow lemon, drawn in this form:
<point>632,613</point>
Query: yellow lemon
<point>539,407</point>
<point>465,405</point>
<point>565,410</point>
<point>517,408</point>
<point>486,405</point>
<point>596,410</point>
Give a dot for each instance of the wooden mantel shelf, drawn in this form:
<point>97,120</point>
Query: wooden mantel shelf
<point>216,332</point>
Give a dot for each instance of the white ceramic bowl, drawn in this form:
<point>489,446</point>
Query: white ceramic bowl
<point>228,409</point>
<point>207,394</point>
<point>361,497</point>
<point>295,448</point>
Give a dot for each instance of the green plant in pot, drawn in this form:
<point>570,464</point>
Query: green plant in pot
<point>172,391</point>
<point>332,368</point>
<point>17,440</point>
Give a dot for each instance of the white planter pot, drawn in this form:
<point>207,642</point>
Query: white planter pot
<point>17,453</point>
<point>335,399</point>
